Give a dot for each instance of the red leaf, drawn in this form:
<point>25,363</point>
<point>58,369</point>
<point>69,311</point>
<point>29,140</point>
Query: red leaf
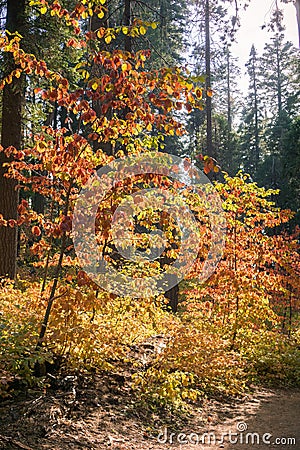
<point>36,230</point>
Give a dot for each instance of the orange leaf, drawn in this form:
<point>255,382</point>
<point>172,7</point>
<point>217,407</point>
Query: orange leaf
<point>36,230</point>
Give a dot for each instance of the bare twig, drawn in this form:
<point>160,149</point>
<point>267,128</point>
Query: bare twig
<point>10,440</point>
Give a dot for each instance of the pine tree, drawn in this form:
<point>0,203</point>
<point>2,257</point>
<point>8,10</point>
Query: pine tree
<point>167,40</point>
<point>226,106</point>
<point>279,79</point>
<point>281,96</point>
<point>215,27</point>
<point>252,114</point>
<point>11,135</point>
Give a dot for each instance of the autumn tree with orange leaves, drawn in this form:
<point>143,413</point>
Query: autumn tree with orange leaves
<point>62,159</point>
<point>115,107</point>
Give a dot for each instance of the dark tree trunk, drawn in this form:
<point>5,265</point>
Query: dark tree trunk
<point>127,23</point>
<point>38,203</point>
<point>97,23</point>
<point>278,77</point>
<point>297,5</point>
<point>38,200</point>
<point>209,141</point>
<point>11,132</point>
<point>229,118</point>
<point>229,113</point>
<point>256,130</point>
<point>172,296</point>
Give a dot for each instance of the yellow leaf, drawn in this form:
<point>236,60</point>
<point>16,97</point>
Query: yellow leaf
<point>198,93</point>
<point>108,39</point>
<point>95,86</point>
<point>41,146</point>
<point>101,14</point>
<point>143,30</point>
<point>101,33</point>
<point>43,10</point>
<point>102,2</point>
<point>134,31</point>
<point>85,74</point>
<point>125,30</point>
<point>124,67</point>
<point>154,25</point>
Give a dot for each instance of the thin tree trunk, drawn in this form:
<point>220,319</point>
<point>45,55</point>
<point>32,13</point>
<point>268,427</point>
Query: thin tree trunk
<point>172,295</point>
<point>278,77</point>
<point>57,273</point>
<point>237,299</point>
<point>229,115</point>
<point>229,118</point>
<point>209,142</point>
<point>290,313</point>
<point>279,96</point>
<point>127,23</point>
<point>163,21</point>
<point>11,133</point>
<point>284,319</point>
<point>256,131</point>
<point>97,23</point>
<point>297,5</point>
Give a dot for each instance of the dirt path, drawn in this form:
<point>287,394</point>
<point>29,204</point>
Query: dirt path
<point>275,418</point>
<point>278,415</point>
<point>268,420</point>
<point>98,416</point>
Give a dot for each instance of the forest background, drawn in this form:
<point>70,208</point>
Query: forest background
<point>86,83</point>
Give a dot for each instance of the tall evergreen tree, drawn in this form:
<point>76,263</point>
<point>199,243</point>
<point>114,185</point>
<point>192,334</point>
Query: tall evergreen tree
<point>215,27</point>
<point>11,134</point>
<point>252,114</point>
<point>279,74</point>
<point>281,96</point>
<point>269,119</point>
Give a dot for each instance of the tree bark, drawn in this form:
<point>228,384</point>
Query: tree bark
<point>172,295</point>
<point>229,112</point>
<point>256,131</point>
<point>11,134</point>
<point>127,23</point>
<point>278,77</point>
<point>97,23</point>
<point>297,5</point>
<point>209,142</point>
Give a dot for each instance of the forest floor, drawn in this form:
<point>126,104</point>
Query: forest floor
<point>81,412</point>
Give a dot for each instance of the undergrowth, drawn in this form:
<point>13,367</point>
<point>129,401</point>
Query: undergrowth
<point>185,360</point>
